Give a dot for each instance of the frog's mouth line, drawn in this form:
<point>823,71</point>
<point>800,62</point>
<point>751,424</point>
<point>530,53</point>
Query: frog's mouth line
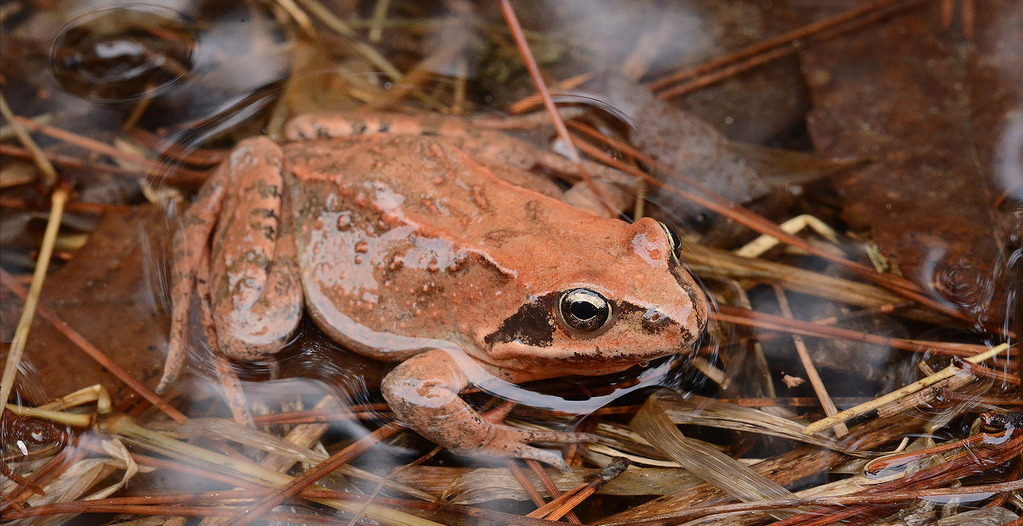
<point>493,385</point>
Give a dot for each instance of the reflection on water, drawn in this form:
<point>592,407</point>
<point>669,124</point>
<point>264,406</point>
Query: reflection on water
<point>195,78</point>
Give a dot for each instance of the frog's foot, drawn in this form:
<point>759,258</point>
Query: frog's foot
<point>423,393</point>
<point>507,441</point>
<point>190,249</point>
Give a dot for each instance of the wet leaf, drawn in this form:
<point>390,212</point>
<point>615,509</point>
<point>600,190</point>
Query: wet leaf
<point>932,113</point>
<point>110,293</point>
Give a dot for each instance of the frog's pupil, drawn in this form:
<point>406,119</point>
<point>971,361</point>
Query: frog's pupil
<point>584,310</point>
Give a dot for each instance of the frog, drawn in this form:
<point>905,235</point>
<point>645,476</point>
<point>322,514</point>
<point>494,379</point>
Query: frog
<point>426,241</point>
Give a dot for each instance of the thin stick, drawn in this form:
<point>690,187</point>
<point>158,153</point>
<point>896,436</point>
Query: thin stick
<point>59,198</point>
<point>761,47</point>
<point>150,166</point>
<point>552,489</point>
<point>811,370</point>
<point>923,383</point>
<point>303,481</point>
<point>541,86</point>
<point>548,101</point>
<point>93,352</point>
<point>49,173</point>
<point>761,320</point>
<point>711,200</point>
<point>725,72</point>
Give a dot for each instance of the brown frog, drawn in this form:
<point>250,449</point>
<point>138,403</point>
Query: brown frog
<point>425,240</point>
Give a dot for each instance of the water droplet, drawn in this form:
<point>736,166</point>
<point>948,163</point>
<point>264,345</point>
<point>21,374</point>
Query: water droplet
<point>123,53</point>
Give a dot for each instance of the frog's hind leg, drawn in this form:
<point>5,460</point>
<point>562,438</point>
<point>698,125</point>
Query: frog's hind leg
<point>255,289</point>
<point>230,384</point>
<point>190,245</point>
<point>423,393</point>
<point>232,245</point>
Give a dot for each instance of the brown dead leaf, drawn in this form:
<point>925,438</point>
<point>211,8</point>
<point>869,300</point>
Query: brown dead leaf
<point>932,112</point>
<point>110,293</point>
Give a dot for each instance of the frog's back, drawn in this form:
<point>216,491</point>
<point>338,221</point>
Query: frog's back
<point>406,243</point>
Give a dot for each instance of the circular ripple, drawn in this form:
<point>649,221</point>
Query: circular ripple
<point>123,53</point>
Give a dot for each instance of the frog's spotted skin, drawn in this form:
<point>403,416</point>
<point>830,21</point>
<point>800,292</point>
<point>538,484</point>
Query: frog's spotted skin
<point>429,244</point>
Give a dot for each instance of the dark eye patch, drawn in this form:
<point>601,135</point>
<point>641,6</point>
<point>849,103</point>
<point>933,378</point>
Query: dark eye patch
<point>532,324</point>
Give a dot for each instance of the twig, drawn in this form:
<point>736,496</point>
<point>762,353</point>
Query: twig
<point>548,101</point>
<point>541,86</point>
<point>764,48</point>
<point>808,366</point>
<point>715,202</point>
<point>923,383</point>
<point>150,166</point>
<point>552,489</point>
<point>563,505</point>
<point>740,316</point>
<point>303,481</point>
<point>49,173</point>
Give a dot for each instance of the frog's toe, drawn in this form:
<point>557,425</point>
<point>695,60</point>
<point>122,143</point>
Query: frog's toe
<point>557,437</point>
<point>510,447</point>
<point>546,456</point>
<point>514,442</point>
<point>171,369</point>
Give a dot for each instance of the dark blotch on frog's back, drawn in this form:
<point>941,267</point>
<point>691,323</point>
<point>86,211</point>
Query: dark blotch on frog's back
<point>532,325</point>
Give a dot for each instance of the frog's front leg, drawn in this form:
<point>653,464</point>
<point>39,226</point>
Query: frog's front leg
<point>423,393</point>
<point>240,220</point>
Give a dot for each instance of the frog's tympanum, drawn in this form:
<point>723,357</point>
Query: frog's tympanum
<point>425,241</point>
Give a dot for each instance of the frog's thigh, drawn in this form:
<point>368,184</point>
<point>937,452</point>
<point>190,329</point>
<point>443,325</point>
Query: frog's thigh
<point>255,290</point>
<point>423,393</point>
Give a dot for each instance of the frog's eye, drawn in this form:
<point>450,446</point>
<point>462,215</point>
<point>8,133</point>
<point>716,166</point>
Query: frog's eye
<point>584,311</point>
<point>673,239</point>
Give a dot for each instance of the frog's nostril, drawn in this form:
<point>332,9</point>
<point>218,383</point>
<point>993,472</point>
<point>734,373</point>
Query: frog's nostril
<point>654,320</point>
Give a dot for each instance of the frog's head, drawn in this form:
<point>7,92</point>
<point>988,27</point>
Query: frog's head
<point>621,297</point>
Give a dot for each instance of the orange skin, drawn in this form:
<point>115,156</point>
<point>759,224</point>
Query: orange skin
<point>425,240</point>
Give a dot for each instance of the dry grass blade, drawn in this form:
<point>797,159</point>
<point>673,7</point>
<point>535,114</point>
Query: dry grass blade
<point>286,486</point>
<point>58,199</point>
<point>705,462</point>
<point>844,501</point>
<point>761,320</point>
<point>697,410</point>
<point>151,167</point>
<point>710,262</point>
<point>283,452</point>
<point>17,126</point>
<point>862,409</point>
<point>809,367</point>
<point>340,27</point>
<point>295,485</point>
